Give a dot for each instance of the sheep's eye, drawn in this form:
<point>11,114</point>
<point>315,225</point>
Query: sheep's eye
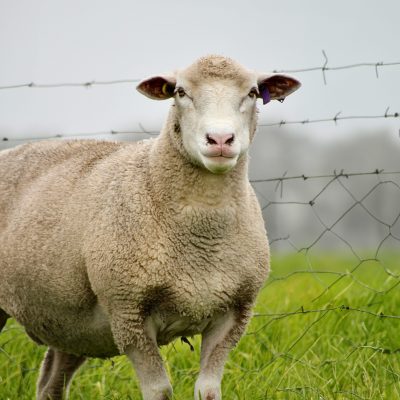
<point>180,92</point>
<point>253,93</point>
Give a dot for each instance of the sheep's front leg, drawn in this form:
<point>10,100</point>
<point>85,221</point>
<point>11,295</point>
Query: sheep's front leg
<point>217,340</point>
<point>149,365</point>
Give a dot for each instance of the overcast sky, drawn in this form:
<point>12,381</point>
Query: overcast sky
<point>77,41</point>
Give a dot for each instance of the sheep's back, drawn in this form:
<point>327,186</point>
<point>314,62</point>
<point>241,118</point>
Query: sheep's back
<point>24,166</point>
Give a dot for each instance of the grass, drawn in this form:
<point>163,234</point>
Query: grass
<point>326,334</point>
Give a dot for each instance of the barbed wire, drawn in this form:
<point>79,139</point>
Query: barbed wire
<point>324,68</point>
<point>87,84</point>
<point>80,134</point>
<point>335,175</point>
<point>337,117</point>
<point>144,131</point>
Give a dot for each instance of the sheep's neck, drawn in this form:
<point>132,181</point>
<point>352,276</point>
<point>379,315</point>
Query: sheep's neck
<point>176,181</point>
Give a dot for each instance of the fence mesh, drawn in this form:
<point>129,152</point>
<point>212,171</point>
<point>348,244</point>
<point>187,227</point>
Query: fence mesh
<point>335,273</point>
<point>327,319</point>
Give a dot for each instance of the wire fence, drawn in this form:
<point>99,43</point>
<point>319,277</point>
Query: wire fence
<point>324,68</point>
<point>335,241</point>
<point>356,223</point>
<point>143,131</point>
<point>361,287</point>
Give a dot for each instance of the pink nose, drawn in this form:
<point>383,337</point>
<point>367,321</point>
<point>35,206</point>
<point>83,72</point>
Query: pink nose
<point>220,139</point>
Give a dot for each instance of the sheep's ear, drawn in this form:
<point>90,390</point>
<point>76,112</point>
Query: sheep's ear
<point>276,87</point>
<point>157,87</point>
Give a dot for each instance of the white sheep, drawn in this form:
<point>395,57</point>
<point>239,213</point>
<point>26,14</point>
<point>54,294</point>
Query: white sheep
<point>115,248</point>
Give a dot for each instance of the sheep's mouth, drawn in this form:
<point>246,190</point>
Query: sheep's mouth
<point>224,154</point>
<point>220,158</point>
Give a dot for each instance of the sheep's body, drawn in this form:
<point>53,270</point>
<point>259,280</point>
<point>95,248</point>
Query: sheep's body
<point>110,248</point>
<point>74,212</point>
<point>42,270</point>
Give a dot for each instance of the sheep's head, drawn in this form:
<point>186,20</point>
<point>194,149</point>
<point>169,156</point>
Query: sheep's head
<point>215,107</point>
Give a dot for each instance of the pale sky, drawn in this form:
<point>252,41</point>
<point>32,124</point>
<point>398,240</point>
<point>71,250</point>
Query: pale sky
<point>77,41</point>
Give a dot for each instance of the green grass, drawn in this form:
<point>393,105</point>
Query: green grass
<point>337,351</point>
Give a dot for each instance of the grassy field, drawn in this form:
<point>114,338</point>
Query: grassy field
<point>329,334</point>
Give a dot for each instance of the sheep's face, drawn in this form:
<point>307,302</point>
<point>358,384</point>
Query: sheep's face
<point>217,120</point>
<point>215,100</point>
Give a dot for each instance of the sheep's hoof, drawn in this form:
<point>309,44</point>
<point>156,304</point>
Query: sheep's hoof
<point>208,393</point>
<point>166,395</point>
<point>158,394</point>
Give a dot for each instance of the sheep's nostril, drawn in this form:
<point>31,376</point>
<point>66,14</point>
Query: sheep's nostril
<point>210,140</point>
<point>230,140</point>
<point>220,139</point>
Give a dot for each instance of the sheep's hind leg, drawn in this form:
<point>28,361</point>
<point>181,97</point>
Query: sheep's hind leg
<point>56,373</point>
<point>3,319</point>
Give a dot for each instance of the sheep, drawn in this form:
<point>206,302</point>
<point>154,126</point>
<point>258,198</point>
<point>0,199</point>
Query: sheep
<point>118,248</point>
